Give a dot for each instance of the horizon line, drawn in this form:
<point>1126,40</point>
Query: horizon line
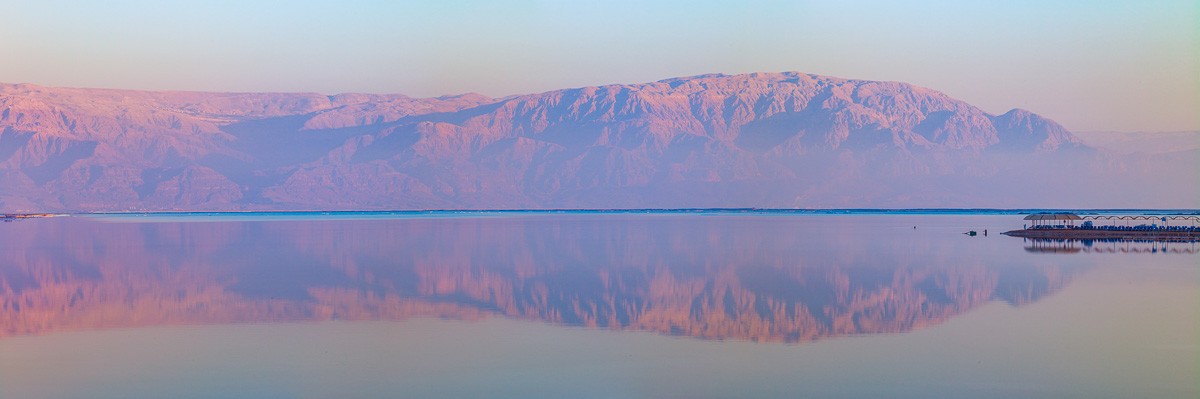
<point>626,210</point>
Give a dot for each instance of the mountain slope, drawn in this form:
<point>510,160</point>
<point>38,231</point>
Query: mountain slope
<point>755,140</point>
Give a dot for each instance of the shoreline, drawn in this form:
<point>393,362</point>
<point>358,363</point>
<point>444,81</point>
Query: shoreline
<point>14,216</point>
<point>819,211</point>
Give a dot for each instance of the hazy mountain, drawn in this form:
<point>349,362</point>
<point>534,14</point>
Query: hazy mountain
<point>1149,143</point>
<point>756,140</point>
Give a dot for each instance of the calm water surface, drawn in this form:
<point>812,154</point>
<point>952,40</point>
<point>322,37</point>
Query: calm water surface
<point>588,305</point>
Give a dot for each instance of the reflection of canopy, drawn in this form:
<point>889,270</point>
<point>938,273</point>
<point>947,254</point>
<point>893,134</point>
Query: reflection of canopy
<point>1053,250</point>
<point>1053,216</point>
<point>1112,246</point>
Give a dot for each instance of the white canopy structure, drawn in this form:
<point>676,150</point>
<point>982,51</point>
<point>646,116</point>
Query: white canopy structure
<point>1042,219</point>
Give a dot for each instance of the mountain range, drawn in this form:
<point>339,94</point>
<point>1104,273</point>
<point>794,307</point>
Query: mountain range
<point>777,140</point>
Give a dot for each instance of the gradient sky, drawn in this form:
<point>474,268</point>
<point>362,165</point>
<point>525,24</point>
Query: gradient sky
<point>1091,65</point>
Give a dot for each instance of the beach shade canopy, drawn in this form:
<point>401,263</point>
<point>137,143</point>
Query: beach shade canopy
<point>1053,216</point>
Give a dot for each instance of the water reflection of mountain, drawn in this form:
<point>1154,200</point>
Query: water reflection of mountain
<point>718,278</point>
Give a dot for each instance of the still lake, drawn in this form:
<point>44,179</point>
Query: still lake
<point>588,305</point>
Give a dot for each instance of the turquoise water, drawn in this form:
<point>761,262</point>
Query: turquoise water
<point>697,303</point>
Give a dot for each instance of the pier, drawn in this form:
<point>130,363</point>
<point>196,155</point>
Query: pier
<point>1069,226</point>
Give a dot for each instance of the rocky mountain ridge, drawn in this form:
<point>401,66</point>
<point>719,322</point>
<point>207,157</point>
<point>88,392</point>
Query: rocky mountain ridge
<point>753,140</point>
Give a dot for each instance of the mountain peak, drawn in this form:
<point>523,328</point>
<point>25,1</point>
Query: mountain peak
<point>1018,113</point>
<point>1022,130</point>
<point>757,139</point>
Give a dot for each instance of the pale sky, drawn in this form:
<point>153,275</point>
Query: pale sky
<point>1091,65</point>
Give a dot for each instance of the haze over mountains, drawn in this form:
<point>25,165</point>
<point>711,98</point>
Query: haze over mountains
<point>1142,142</point>
<point>756,140</point>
